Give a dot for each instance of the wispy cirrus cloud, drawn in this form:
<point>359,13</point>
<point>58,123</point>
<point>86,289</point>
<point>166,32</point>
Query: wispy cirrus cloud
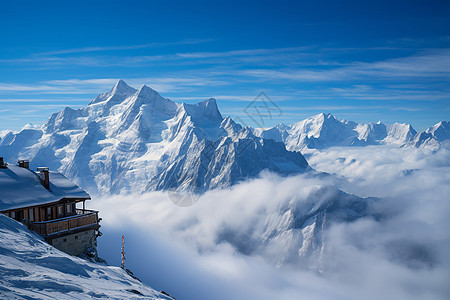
<point>296,64</point>
<point>388,93</point>
<point>161,84</point>
<point>308,76</point>
<point>26,100</point>
<point>24,87</point>
<point>366,93</point>
<point>121,48</point>
<point>39,88</point>
<point>290,55</point>
<point>245,52</point>
<point>97,85</point>
<point>434,63</point>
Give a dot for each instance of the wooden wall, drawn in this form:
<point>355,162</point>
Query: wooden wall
<point>40,213</point>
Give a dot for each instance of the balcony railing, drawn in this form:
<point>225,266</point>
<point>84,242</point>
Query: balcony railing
<point>83,219</point>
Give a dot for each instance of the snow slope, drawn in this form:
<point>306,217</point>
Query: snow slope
<point>32,269</point>
<point>136,140</point>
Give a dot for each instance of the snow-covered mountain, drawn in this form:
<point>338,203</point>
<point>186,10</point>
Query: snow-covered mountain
<point>32,269</point>
<point>136,140</point>
<point>433,136</point>
<point>294,232</point>
<point>324,130</point>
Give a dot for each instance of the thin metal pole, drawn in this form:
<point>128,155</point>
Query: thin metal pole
<point>123,253</point>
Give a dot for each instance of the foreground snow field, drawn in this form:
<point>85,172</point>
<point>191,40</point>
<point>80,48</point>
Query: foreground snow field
<point>32,269</point>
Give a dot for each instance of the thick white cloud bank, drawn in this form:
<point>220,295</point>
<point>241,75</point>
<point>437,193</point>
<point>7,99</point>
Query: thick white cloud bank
<point>221,248</point>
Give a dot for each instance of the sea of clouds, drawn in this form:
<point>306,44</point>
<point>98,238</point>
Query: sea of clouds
<point>214,250</point>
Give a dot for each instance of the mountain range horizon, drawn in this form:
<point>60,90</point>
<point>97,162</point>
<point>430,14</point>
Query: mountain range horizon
<point>134,139</point>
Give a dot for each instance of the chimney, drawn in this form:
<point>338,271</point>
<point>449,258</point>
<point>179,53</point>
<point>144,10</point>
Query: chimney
<point>24,163</point>
<point>3,165</point>
<point>45,177</point>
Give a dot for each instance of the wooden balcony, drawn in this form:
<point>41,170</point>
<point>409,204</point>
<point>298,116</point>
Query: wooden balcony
<point>82,220</point>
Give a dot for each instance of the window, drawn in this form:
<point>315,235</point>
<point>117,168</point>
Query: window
<point>17,215</point>
<point>69,208</point>
<point>60,210</point>
<point>49,212</point>
<point>7,214</point>
<point>31,214</point>
<point>76,237</point>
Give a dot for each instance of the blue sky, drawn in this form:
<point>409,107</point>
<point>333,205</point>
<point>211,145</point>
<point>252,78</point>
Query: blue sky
<point>360,60</point>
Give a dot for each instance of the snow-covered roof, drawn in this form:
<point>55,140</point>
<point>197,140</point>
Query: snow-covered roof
<point>21,187</point>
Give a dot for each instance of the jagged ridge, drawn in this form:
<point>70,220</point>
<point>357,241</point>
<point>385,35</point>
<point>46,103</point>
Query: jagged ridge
<point>136,140</point>
<point>325,130</point>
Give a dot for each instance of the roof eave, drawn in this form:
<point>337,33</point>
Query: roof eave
<point>45,204</point>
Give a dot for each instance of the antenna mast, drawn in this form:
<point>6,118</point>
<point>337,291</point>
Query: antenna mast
<point>123,253</point>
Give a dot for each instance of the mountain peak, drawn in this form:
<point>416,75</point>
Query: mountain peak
<point>441,124</point>
<point>31,126</point>
<point>203,110</point>
<point>146,94</point>
<point>283,126</point>
<point>118,93</point>
<point>145,91</point>
<point>149,100</point>
<point>121,87</point>
<point>209,107</point>
<point>441,130</point>
<point>323,116</point>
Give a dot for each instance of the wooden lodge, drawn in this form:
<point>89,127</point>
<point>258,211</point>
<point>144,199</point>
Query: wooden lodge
<point>46,202</point>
